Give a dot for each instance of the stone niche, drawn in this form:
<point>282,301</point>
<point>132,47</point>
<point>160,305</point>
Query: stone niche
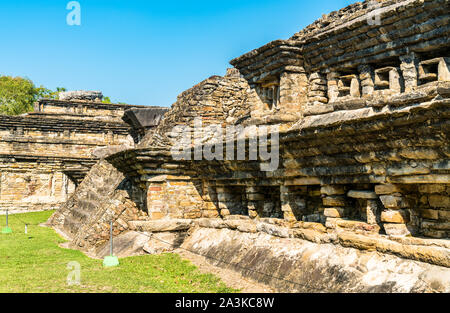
<point>436,69</point>
<point>231,200</point>
<point>349,86</point>
<point>269,93</point>
<point>287,93</point>
<point>388,78</point>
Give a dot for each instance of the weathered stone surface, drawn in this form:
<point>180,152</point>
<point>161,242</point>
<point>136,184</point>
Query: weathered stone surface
<point>362,194</point>
<point>393,202</point>
<point>163,242</point>
<point>395,216</point>
<point>163,225</point>
<point>334,201</point>
<point>332,190</point>
<point>308,264</point>
<point>334,212</point>
<point>439,201</point>
<point>397,230</point>
<point>367,115</point>
<point>127,244</point>
<point>386,189</point>
<point>81,95</point>
<point>45,154</point>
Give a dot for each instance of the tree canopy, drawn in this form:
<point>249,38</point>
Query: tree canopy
<point>17,95</point>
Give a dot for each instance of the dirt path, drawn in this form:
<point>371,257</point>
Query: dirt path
<point>230,278</point>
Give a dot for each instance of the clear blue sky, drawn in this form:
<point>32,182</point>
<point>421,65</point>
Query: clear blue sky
<point>142,52</point>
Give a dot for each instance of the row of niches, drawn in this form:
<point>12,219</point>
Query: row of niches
<point>21,132</point>
<point>398,76</point>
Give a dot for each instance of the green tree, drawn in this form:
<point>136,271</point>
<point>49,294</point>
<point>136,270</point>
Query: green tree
<point>18,94</point>
<point>106,100</point>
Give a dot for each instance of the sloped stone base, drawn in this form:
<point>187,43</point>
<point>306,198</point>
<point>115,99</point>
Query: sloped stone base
<point>296,265</point>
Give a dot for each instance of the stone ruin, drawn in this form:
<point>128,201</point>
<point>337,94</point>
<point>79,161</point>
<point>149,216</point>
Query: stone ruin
<point>46,154</point>
<point>360,200</point>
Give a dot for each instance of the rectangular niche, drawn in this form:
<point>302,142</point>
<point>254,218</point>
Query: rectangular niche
<point>348,85</point>
<point>388,78</point>
<point>429,70</point>
<point>233,199</point>
<point>271,206</point>
<point>269,93</point>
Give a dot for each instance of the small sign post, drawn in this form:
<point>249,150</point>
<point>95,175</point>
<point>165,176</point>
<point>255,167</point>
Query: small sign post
<point>6,230</point>
<point>111,260</point>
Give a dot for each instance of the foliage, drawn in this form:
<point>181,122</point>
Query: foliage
<point>18,94</point>
<point>106,100</point>
<point>34,262</point>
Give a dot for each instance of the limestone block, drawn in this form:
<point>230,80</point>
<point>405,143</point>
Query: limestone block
<point>331,190</point>
<point>224,212</point>
<point>358,194</point>
<point>334,201</point>
<point>397,230</point>
<point>210,222</point>
<point>164,242</point>
<point>348,239</point>
<point>444,226</point>
<point>429,214</point>
<point>439,201</point>
<point>395,216</point>
<point>356,226</point>
<point>415,154</point>
<point>161,225</point>
<point>210,213</point>
<point>432,188</point>
<point>372,212</point>
<point>393,202</point>
<point>443,69</point>
<point>409,71</point>
<point>273,230</point>
<point>436,233</point>
<point>334,212</point>
<point>444,215</point>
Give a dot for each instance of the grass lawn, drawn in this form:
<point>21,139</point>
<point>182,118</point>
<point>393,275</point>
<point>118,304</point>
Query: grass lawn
<point>34,262</point>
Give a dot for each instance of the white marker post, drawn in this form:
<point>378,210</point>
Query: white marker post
<point>111,260</point>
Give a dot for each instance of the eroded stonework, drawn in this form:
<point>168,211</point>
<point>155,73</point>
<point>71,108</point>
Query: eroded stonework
<point>45,154</point>
<point>362,117</point>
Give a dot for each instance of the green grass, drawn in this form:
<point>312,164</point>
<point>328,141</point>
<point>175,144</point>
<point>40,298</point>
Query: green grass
<point>34,262</point>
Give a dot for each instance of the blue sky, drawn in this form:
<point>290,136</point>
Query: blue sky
<point>142,52</point>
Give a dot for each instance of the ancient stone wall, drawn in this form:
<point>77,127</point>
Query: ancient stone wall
<point>46,153</point>
<point>359,113</point>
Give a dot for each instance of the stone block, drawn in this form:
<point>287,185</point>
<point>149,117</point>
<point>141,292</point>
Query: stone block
<point>334,201</point>
<point>348,239</point>
<point>429,214</point>
<point>332,190</point>
<point>431,188</point>
<point>444,215</point>
<point>210,213</point>
<point>161,225</point>
<point>395,216</point>
<point>400,230</point>
<point>334,212</point>
<point>357,226</point>
<point>372,212</point>
<point>439,201</point>
<point>386,189</point>
<point>357,194</point>
<point>393,202</point>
